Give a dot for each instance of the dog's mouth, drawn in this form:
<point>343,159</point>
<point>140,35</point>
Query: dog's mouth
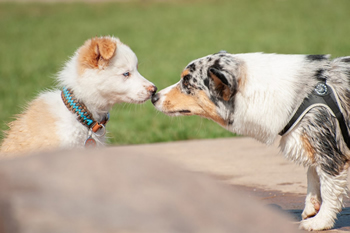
<point>184,111</point>
<point>179,112</point>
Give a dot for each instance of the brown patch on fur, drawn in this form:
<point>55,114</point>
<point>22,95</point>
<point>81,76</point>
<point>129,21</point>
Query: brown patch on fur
<point>222,88</point>
<point>198,104</point>
<point>33,130</point>
<point>96,53</point>
<point>308,147</point>
<point>242,77</point>
<point>347,165</point>
<point>184,73</point>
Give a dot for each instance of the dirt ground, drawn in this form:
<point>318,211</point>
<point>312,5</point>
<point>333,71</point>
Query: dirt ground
<point>253,167</point>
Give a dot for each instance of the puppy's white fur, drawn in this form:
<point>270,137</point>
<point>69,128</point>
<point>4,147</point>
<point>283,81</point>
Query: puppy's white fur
<point>101,73</point>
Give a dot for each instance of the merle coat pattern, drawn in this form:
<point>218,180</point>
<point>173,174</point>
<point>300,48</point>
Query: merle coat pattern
<point>256,95</point>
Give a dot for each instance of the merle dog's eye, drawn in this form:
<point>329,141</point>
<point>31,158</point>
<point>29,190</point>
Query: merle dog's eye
<point>126,74</point>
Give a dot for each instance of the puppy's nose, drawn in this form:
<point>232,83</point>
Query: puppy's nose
<point>152,89</point>
<point>155,98</point>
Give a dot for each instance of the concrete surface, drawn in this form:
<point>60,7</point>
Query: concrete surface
<point>220,185</point>
<point>239,161</point>
<point>260,170</point>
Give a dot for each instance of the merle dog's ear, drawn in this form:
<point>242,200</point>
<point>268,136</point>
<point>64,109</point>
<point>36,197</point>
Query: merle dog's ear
<point>220,83</point>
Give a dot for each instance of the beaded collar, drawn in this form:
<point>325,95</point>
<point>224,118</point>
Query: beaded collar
<point>84,116</point>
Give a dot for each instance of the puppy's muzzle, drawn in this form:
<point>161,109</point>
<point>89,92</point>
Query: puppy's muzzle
<point>152,89</point>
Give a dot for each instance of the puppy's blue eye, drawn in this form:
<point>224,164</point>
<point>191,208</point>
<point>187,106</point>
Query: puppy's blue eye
<point>126,74</point>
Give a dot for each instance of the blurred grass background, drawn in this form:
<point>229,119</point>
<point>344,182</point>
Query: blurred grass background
<point>37,38</point>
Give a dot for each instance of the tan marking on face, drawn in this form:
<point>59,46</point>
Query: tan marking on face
<point>209,109</point>
<point>96,53</point>
<point>310,150</point>
<point>33,130</point>
<point>184,73</point>
<point>199,104</point>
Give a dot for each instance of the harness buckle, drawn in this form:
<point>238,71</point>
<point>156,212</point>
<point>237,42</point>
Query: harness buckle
<point>321,89</point>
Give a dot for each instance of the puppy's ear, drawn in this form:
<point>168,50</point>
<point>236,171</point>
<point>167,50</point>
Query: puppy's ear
<point>220,83</point>
<point>96,53</point>
<point>104,47</point>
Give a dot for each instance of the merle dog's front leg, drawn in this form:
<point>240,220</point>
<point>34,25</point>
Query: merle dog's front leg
<point>313,198</point>
<point>333,189</point>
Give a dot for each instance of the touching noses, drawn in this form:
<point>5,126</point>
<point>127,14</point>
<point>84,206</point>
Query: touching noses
<point>155,98</point>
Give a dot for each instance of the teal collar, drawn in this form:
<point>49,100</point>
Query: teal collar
<point>84,116</point>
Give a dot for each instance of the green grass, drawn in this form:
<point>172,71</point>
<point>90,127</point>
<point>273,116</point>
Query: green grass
<point>36,39</point>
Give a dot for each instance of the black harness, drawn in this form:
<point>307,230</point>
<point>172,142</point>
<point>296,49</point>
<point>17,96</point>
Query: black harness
<point>323,95</point>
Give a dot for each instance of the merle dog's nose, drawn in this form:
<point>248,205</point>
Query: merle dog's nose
<point>155,98</point>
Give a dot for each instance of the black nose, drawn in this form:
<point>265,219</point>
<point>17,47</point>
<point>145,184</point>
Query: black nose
<point>155,98</point>
<point>155,90</point>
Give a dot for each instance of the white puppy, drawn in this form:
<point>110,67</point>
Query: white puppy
<point>101,73</point>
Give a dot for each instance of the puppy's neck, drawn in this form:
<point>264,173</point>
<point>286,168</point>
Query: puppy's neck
<point>84,92</point>
<point>97,106</point>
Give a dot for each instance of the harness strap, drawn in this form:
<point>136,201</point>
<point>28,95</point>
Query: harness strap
<point>323,95</point>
